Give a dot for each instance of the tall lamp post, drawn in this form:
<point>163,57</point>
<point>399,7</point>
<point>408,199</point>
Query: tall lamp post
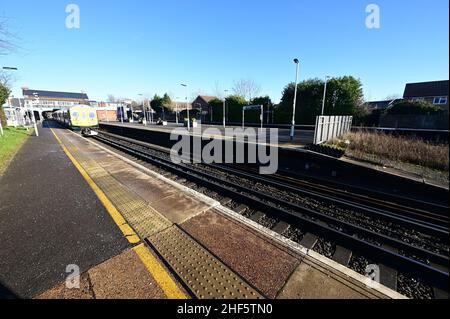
<point>224,107</point>
<point>176,109</point>
<point>144,119</point>
<point>36,96</point>
<point>297,62</point>
<point>324,93</point>
<point>187,107</point>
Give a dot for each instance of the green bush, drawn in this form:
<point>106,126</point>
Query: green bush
<point>4,93</point>
<point>2,117</point>
<point>413,108</point>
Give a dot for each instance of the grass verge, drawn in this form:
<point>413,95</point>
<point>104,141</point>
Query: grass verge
<point>412,155</point>
<point>10,143</point>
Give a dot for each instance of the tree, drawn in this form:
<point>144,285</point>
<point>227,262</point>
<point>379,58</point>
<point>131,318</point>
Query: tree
<point>156,102</point>
<point>166,101</point>
<point>4,94</point>
<point>216,105</point>
<point>235,103</point>
<point>253,116</point>
<point>246,88</point>
<point>344,97</point>
<point>413,108</point>
<point>111,98</point>
<point>6,45</point>
<point>393,96</point>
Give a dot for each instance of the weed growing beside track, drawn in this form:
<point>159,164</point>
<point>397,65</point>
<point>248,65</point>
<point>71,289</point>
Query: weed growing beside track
<point>399,152</point>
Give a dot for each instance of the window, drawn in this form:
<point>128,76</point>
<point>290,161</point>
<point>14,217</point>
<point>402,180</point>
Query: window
<point>439,100</point>
<point>416,99</point>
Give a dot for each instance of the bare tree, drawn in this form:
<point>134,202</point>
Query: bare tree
<point>247,88</point>
<point>6,44</point>
<point>393,96</point>
<point>111,98</point>
<point>6,79</point>
<point>217,90</point>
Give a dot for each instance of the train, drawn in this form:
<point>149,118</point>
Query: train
<point>81,118</point>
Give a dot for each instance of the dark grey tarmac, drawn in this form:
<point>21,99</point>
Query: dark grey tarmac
<point>49,218</point>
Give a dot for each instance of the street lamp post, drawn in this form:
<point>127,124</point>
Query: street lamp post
<point>187,107</point>
<point>144,119</point>
<point>224,107</point>
<point>324,94</point>
<point>176,110</point>
<point>36,96</point>
<point>297,62</point>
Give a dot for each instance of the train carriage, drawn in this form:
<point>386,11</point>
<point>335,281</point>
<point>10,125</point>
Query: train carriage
<point>77,117</point>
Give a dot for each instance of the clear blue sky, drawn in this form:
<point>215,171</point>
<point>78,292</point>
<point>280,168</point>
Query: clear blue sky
<point>130,47</point>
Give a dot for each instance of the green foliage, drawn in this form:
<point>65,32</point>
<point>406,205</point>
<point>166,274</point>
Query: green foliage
<point>166,101</point>
<point>235,103</point>
<point>161,104</point>
<point>217,107</point>
<point>253,116</point>
<point>413,108</point>
<point>372,119</point>
<point>4,93</point>
<point>344,97</point>
<point>156,102</point>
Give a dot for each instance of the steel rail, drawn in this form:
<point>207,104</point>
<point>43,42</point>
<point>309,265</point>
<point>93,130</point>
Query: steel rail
<point>434,276</point>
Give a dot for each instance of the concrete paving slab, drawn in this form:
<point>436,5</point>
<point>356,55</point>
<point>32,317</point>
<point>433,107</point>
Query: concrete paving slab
<point>166,199</point>
<point>62,292</point>
<point>262,263</point>
<point>124,277</point>
<point>310,281</point>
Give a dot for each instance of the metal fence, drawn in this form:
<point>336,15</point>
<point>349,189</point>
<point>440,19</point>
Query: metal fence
<point>329,127</point>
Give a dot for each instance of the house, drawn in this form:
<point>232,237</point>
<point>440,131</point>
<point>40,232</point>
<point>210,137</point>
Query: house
<point>202,103</point>
<point>381,105</point>
<point>435,92</point>
<point>15,114</point>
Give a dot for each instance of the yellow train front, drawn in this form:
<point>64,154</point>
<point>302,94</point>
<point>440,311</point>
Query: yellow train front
<point>81,118</point>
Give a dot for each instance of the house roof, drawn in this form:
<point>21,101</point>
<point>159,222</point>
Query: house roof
<point>426,89</point>
<point>206,98</point>
<point>55,94</point>
<point>382,104</point>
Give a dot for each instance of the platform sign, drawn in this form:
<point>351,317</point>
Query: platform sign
<point>252,107</point>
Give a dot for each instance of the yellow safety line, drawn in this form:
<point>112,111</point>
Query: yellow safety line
<point>167,284</point>
<point>161,276</point>
<point>116,216</point>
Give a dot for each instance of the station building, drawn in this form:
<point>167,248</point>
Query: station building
<point>42,101</point>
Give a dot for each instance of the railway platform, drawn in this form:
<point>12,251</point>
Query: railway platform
<point>301,138</point>
<point>135,233</point>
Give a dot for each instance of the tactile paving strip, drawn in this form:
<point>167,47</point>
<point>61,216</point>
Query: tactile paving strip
<point>145,220</point>
<point>205,275</point>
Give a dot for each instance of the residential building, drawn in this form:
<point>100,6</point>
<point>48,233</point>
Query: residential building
<point>435,92</point>
<point>202,103</point>
<point>381,105</point>
<point>48,101</point>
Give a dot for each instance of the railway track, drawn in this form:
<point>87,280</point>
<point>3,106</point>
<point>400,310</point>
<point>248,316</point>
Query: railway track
<point>373,232</point>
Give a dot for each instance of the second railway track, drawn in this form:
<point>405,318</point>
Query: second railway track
<point>414,245</point>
